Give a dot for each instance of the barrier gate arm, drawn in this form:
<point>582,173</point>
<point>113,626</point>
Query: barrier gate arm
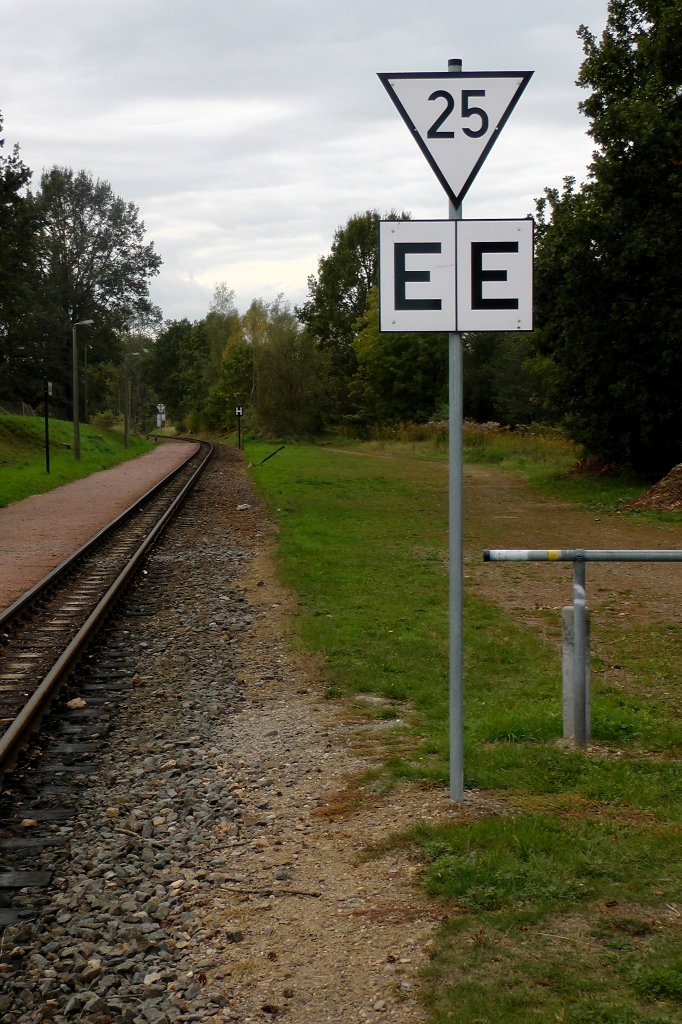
<point>579,557</point>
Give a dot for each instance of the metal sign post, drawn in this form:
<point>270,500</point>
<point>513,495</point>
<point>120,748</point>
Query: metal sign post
<point>47,391</point>
<point>456,537</point>
<point>437,276</point>
<point>239,412</point>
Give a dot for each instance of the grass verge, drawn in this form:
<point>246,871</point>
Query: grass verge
<point>566,905</point>
<point>22,455</point>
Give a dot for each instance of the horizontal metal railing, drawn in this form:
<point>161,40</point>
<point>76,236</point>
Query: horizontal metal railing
<point>579,557</point>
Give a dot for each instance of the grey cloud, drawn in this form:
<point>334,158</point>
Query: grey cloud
<point>247,133</point>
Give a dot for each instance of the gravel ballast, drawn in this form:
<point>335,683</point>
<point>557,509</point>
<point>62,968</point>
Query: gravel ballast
<point>214,869</point>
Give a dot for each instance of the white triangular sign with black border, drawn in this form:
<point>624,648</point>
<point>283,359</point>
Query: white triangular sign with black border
<point>455,117</point>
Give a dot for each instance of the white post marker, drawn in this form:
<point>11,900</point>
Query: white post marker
<point>462,275</point>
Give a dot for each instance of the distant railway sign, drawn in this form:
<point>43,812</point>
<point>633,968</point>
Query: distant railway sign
<point>455,117</point>
<point>239,410</point>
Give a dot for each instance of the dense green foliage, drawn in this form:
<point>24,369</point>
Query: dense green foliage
<point>72,251</point>
<point>398,377</point>
<point>18,232</point>
<point>338,298</point>
<point>608,269</point>
<point>263,361</point>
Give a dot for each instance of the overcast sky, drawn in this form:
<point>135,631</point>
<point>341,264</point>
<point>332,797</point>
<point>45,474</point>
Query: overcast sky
<point>247,131</point>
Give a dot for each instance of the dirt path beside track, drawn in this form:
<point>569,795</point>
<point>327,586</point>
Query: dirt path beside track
<point>502,512</point>
<point>351,944</point>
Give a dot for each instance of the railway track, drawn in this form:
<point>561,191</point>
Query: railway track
<point>45,633</point>
<point>46,657</point>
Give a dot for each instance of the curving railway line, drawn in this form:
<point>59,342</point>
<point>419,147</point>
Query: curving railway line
<point>45,633</point>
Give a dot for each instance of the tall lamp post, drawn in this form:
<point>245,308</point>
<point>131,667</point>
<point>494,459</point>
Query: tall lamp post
<point>76,420</point>
<point>85,383</point>
<point>126,397</point>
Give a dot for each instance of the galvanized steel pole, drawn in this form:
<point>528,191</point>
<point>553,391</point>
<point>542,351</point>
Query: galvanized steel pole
<point>456,535</point>
<point>579,652</point>
<point>74,394</point>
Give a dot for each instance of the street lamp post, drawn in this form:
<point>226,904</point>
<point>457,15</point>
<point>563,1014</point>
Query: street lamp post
<point>76,420</point>
<point>127,397</point>
<point>85,383</point>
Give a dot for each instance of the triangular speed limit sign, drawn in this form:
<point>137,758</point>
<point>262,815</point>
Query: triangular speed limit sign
<point>455,117</point>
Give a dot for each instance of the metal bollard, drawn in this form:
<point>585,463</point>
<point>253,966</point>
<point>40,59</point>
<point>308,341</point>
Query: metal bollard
<point>570,704</point>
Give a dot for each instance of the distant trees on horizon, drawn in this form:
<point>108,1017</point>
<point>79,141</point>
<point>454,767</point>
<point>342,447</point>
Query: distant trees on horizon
<point>604,361</point>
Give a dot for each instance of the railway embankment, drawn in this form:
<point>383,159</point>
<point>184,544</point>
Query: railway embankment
<point>213,864</point>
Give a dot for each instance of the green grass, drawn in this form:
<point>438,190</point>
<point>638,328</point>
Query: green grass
<point>538,895</point>
<point>22,455</point>
<point>549,462</point>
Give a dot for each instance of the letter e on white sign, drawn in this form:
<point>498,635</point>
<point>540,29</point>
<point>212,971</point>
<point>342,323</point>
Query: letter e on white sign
<point>417,275</point>
<point>495,275</point>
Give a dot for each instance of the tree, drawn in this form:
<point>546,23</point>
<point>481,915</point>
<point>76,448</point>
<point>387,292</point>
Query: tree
<point>93,264</point>
<point>338,297</point>
<point>290,373</point>
<point>237,372</point>
<point>400,377</point>
<point>499,379</point>
<point>93,257</point>
<point>221,324</point>
<point>167,360</point>
<point>608,272</point>
<point>18,224</point>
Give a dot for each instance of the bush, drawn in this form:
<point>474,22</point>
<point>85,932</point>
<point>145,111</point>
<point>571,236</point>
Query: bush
<point>106,420</point>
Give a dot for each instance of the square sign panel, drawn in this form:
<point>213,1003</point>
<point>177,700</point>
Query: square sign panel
<point>417,275</point>
<point>456,275</point>
<point>495,275</point>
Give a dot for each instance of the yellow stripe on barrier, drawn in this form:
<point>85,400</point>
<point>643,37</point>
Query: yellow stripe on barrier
<point>553,555</point>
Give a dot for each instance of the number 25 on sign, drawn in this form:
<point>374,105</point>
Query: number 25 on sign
<point>455,119</point>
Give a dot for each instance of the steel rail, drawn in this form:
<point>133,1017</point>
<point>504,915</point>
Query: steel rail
<point>30,596</point>
<point>27,721</point>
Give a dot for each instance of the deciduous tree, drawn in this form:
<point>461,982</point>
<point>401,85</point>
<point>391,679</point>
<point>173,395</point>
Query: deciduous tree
<point>609,274</point>
<point>93,264</point>
<point>400,377</point>
<point>18,224</point>
<point>338,297</point>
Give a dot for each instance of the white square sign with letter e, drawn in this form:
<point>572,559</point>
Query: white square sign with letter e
<point>495,275</point>
<point>417,275</point>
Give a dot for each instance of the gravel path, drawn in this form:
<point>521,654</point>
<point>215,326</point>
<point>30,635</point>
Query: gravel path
<point>217,869</point>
